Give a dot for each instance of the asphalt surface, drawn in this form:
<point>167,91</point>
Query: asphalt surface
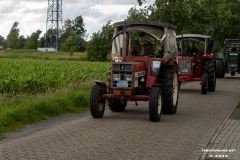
<point>130,135</point>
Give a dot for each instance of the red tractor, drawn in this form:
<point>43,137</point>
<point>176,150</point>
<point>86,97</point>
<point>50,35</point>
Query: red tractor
<point>196,64</point>
<point>139,78</point>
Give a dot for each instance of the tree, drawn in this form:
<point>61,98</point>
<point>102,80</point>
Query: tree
<point>135,14</point>
<point>12,38</point>
<point>100,45</point>
<point>140,2</point>
<point>50,38</point>
<point>68,44</point>
<point>218,18</point>
<point>41,42</point>
<point>2,41</point>
<point>32,41</point>
<point>73,35</point>
<point>22,41</point>
<point>68,30</point>
<point>79,26</point>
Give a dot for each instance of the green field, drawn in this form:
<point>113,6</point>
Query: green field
<point>34,76</point>
<point>34,54</point>
<point>34,89</point>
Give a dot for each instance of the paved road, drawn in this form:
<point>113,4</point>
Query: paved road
<point>130,135</point>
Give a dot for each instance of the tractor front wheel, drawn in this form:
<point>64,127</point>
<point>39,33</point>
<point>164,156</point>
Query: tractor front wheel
<point>155,104</point>
<point>204,83</point>
<point>211,75</point>
<point>97,104</point>
<point>220,68</point>
<point>232,73</point>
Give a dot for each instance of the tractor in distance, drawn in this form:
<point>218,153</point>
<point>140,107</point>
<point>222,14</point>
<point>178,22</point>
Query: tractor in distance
<point>139,78</point>
<point>196,64</point>
<point>228,61</point>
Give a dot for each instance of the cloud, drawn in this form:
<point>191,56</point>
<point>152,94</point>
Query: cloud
<point>32,14</point>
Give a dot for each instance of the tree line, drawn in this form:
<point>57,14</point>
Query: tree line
<point>218,18</point>
<point>71,37</point>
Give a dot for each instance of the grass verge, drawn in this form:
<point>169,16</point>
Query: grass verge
<point>24,110</point>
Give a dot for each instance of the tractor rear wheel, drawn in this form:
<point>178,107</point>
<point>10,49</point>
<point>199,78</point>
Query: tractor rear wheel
<point>211,75</point>
<point>117,105</point>
<point>179,84</point>
<point>205,67</point>
<point>232,73</point>
<point>155,104</point>
<point>170,83</point>
<point>204,83</point>
<point>97,104</point>
<point>220,68</point>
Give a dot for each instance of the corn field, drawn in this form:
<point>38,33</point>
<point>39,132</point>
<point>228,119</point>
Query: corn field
<point>34,76</point>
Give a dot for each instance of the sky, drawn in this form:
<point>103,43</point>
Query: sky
<point>32,14</point>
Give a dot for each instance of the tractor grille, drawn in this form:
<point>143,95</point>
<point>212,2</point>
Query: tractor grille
<point>233,59</point>
<point>184,66</point>
<point>122,75</point>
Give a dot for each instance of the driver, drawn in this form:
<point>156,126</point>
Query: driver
<point>192,50</point>
<point>234,49</point>
<point>142,48</point>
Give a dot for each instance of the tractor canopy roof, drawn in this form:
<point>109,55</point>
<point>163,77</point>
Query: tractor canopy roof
<point>125,34</point>
<point>204,40</point>
<point>232,41</point>
<point>153,28</point>
<point>230,44</point>
<point>198,38</point>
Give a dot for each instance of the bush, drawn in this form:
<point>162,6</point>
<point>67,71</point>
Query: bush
<point>100,45</point>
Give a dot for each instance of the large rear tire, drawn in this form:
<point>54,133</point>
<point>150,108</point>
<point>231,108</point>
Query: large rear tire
<point>155,104</point>
<point>220,68</point>
<point>211,75</point>
<point>97,104</point>
<point>170,83</point>
<point>204,83</point>
<point>179,85</point>
<point>117,105</point>
<point>232,73</point>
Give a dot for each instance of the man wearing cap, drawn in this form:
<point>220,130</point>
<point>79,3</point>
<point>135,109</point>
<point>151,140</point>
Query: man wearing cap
<point>143,48</point>
<point>192,50</point>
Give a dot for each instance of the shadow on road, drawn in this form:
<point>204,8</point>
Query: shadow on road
<point>190,91</point>
<point>233,77</point>
<point>228,76</point>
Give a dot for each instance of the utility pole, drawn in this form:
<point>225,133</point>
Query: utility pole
<point>54,24</point>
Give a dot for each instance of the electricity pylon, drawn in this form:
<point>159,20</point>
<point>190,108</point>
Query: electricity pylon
<point>54,24</point>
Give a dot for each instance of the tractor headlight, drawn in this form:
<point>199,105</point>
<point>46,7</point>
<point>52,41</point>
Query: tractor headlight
<point>116,77</point>
<point>142,79</point>
<point>128,77</point>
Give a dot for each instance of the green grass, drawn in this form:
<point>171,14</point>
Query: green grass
<point>34,54</point>
<point>36,86</point>
<point>22,110</point>
<point>33,76</point>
